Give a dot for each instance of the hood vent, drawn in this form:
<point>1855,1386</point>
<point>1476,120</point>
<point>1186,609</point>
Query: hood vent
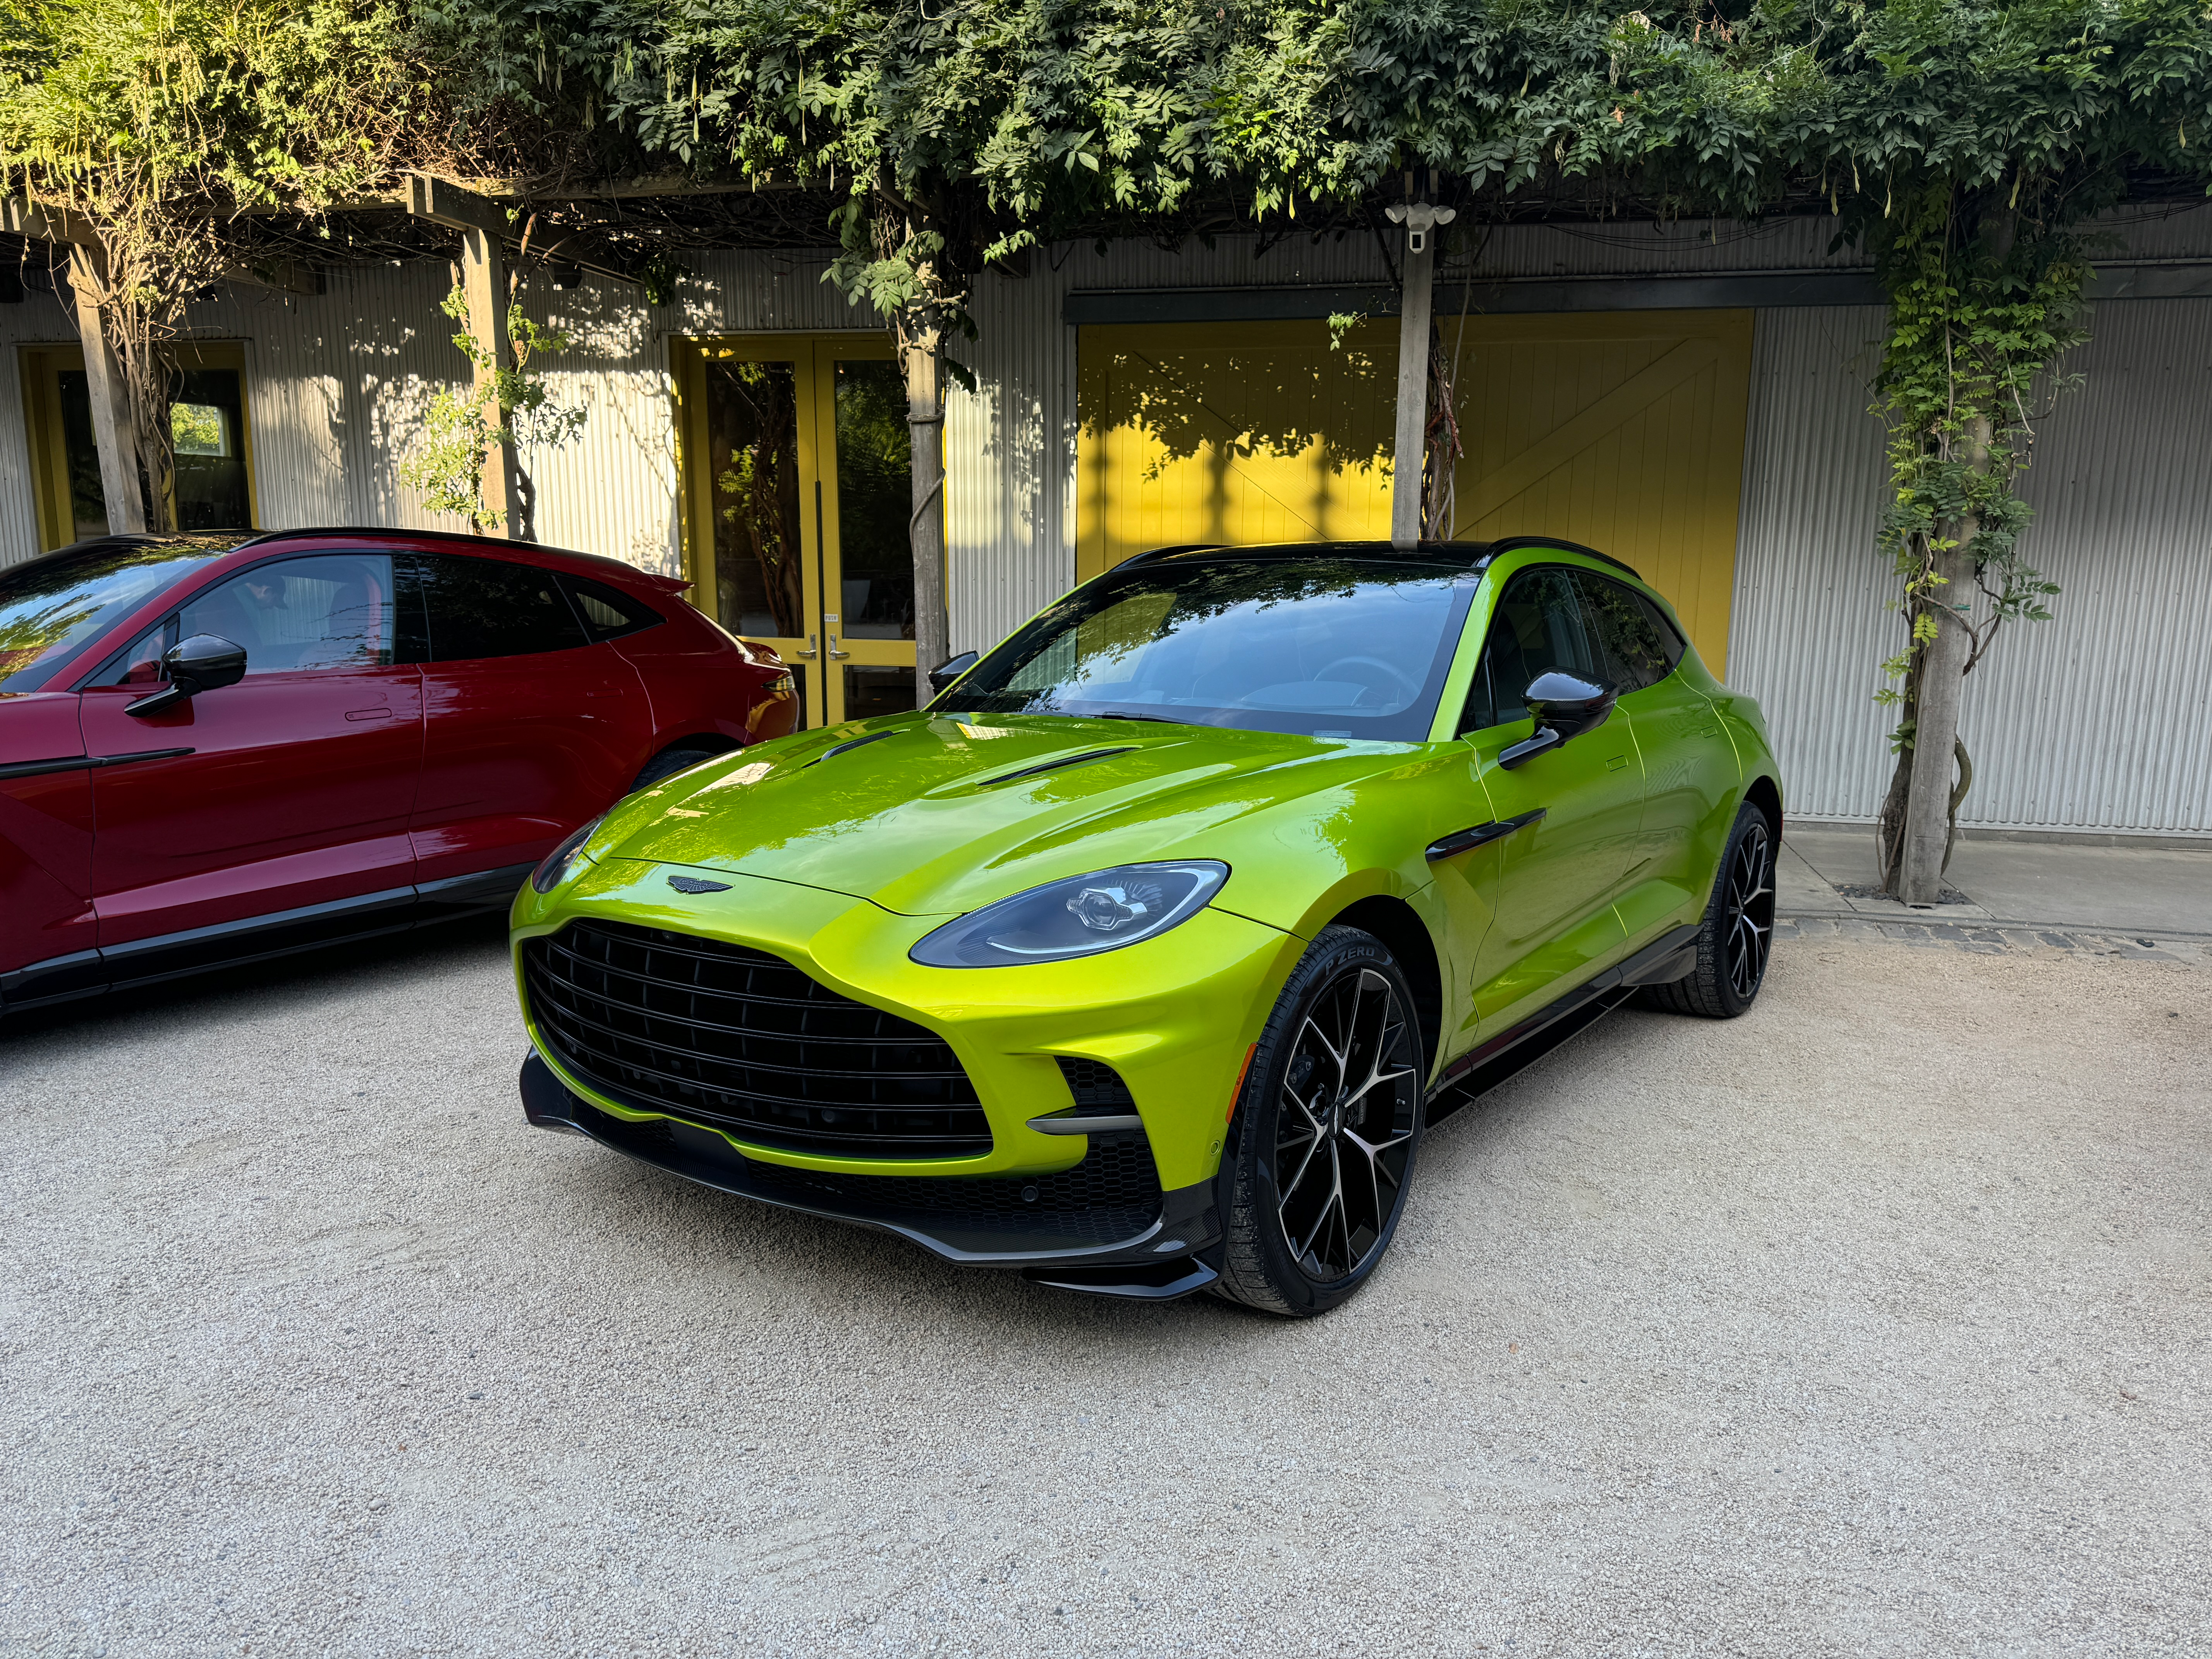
<point>1061,764</point>
<point>854,743</point>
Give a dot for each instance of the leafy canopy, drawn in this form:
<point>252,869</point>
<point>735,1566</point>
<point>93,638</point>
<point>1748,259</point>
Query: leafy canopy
<point>1051,115</point>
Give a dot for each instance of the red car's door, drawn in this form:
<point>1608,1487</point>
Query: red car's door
<point>298,782</point>
<point>46,921</point>
<point>529,729</point>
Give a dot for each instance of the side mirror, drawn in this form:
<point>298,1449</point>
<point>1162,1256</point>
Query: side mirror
<point>1562,706</point>
<point>205,662</point>
<point>942,676</point>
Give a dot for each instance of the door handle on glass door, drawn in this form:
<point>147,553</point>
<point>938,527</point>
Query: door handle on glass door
<point>833,651</point>
<point>809,653</point>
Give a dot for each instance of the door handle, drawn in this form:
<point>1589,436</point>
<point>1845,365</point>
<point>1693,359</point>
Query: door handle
<point>833,651</point>
<point>369,714</point>
<point>809,653</point>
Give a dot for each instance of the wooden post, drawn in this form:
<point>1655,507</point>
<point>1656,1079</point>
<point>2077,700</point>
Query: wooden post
<point>922,346</point>
<point>483,225</point>
<point>1413,390</point>
<point>114,432</point>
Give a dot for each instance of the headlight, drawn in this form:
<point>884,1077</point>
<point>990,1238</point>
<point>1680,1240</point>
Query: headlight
<point>1079,917</point>
<point>547,876</point>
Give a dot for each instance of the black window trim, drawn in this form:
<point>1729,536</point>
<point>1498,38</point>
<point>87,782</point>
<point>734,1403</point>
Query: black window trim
<point>1482,651</point>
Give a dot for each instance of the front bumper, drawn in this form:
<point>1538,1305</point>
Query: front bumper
<point>1162,1245</point>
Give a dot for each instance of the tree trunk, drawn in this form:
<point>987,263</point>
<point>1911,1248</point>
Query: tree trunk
<point>921,347</point>
<point>114,425</point>
<point>1940,681</point>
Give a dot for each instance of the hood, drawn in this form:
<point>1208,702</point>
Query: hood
<point>928,816</point>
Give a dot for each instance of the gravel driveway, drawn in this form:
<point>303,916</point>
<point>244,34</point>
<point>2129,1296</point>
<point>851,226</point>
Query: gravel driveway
<point>1874,1322</point>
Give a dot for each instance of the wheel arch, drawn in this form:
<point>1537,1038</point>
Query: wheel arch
<point>1767,795</point>
<point>1400,927</point>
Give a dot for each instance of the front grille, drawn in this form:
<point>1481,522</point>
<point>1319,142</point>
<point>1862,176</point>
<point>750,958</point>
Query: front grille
<point>734,1037</point>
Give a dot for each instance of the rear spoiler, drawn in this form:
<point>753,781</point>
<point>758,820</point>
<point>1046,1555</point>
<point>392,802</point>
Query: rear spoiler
<point>666,584</point>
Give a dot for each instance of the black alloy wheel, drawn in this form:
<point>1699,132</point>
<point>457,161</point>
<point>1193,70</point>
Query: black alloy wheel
<point>1736,939</point>
<point>1329,1123</point>
<point>1750,910</point>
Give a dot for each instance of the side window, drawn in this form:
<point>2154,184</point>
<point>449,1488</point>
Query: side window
<point>1635,651</point>
<point>330,611</point>
<point>1537,626</point>
<point>483,608</point>
<point>608,613</point>
<point>1670,637</point>
<point>141,664</point>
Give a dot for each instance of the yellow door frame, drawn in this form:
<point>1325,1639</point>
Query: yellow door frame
<point>40,369</point>
<point>823,650</point>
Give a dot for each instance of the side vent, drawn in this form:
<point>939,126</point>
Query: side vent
<point>1097,1086</point>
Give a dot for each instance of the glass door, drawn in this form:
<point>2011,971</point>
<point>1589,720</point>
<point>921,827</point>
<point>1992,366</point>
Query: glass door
<point>799,487</point>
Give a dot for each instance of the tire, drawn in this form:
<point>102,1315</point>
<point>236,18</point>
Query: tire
<point>1301,1236</point>
<point>668,762</point>
<point>1737,935</point>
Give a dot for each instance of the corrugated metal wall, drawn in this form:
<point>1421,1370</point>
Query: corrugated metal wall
<point>338,384</point>
<point>2095,721</point>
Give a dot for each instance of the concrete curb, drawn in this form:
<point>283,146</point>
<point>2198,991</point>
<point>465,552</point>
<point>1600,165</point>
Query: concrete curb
<point>1995,938</point>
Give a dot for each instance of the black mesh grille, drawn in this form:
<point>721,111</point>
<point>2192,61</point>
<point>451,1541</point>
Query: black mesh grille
<point>1095,1084</point>
<point>739,1039</point>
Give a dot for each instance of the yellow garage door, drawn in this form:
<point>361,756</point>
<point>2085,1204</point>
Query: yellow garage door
<point>1241,433</point>
<point>1621,430</point>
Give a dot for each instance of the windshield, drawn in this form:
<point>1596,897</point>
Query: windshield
<point>1329,647</point>
<point>50,607</point>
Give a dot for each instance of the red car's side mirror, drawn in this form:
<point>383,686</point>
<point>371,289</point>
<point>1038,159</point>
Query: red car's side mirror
<point>205,662</point>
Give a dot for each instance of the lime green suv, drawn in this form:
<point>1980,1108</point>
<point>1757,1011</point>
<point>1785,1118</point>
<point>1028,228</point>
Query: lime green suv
<point>1139,959</point>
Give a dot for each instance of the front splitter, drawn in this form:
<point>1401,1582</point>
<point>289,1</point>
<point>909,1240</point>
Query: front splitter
<point>1158,1258</point>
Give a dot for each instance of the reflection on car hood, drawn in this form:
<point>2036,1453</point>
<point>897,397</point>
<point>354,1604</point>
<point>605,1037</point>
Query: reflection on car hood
<point>929,815</point>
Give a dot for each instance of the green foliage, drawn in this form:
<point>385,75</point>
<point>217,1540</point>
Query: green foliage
<point>989,124</point>
<point>1984,299</point>
<point>463,423</point>
<point>157,121</point>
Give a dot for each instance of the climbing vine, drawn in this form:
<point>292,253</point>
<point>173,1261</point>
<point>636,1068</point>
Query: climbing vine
<point>1984,301</point>
<point>501,404</point>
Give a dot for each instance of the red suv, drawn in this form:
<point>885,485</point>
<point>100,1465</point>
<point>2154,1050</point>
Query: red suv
<point>213,750</point>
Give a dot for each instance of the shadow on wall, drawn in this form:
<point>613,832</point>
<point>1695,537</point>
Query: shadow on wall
<point>1269,399</point>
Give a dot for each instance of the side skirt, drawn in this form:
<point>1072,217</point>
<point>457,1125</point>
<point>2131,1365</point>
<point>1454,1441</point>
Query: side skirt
<point>257,938</point>
<point>1489,1064</point>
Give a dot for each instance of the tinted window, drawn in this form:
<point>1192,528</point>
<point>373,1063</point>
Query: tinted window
<point>330,611</point>
<point>607,613</point>
<point>140,665</point>
<point>1670,637</point>
<point>489,608</point>
<point>1635,649</point>
<point>1331,646</point>
<point>1537,626</point>
<point>51,606</point>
